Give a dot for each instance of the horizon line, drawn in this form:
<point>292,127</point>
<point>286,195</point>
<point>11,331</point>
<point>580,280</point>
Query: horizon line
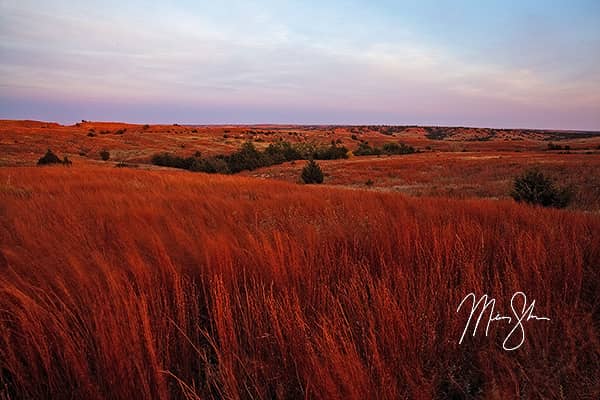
<point>337,124</point>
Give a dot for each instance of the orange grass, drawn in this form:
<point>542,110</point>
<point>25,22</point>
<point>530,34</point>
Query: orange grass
<point>23,142</point>
<point>127,284</point>
<point>456,175</point>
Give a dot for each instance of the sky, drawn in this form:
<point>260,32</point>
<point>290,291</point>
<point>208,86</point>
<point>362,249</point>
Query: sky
<point>519,64</point>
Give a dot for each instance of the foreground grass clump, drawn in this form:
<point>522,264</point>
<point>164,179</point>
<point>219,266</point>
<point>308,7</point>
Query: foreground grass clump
<point>126,284</point>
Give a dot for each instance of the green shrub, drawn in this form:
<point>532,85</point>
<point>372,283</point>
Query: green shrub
<point>214,165</point>
<point>312,173</point>
<point>105,155</point>
<point>552,146</point>
<point>49,158</point>
<point>169,160</point>
<point>365,150</point>
<point>333,152</point>
<point>280,152</point>
<point>246,158</point>
<point>435,133</point>
<point>398,148</point>
<point>534,188</point>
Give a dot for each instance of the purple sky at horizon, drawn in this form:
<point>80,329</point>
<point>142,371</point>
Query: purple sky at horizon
<point>528,64</point>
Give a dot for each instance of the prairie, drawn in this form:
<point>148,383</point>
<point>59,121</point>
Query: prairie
<point>128,283</point>
<point>151,282</point>
<point>451,162</point>
<point>475,174</point>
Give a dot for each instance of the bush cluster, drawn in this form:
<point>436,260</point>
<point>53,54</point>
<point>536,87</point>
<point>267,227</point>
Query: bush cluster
<point>50,158</point>
<point>249,158</point>
<point>552,146</point>
<point>173,161</point>
<point>364,149</point>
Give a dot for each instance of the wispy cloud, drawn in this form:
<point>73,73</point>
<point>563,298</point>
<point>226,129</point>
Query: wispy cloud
<point>272,57</point>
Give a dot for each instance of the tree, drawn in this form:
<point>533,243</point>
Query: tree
<point>534,188</point>
<point>312,173</point>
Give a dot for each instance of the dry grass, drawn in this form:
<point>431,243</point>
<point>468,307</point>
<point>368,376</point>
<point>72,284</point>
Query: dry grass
<point>122,284</point>
<point>23,142</point>
<point>456,175</point>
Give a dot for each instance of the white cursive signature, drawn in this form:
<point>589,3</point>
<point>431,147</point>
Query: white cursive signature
<point>526,314</point>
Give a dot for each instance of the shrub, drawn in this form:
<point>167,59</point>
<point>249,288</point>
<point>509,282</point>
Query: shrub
<point>398,148</point>
<point>123,164</point>
<point>104,155</point>
<point>332,152</point>
<point>552,146</point>
<point>169,160</point>
<point>282,151</point>
<point>534,188</point>
<point>312,173</point>
<point>247,158</point>
<point>214,165</point>
<point>365,150</point>
<point>66,162</point>
<point>49,158</point>
<point>435,133</point>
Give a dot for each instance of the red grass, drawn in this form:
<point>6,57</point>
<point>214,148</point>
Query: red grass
<point>456,175</point>
<point>138,284</point>
<point>23,142</point>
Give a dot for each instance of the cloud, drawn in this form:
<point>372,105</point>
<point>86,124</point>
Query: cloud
<point>259,56</point>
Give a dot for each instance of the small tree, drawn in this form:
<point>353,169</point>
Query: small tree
<point>312,173</point>
<point>105,155</point>
<point>49,158</point>
<point>534,188</point>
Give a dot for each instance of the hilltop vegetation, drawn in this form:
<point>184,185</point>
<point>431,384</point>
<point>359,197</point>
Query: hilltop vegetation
<point>248,158</point>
